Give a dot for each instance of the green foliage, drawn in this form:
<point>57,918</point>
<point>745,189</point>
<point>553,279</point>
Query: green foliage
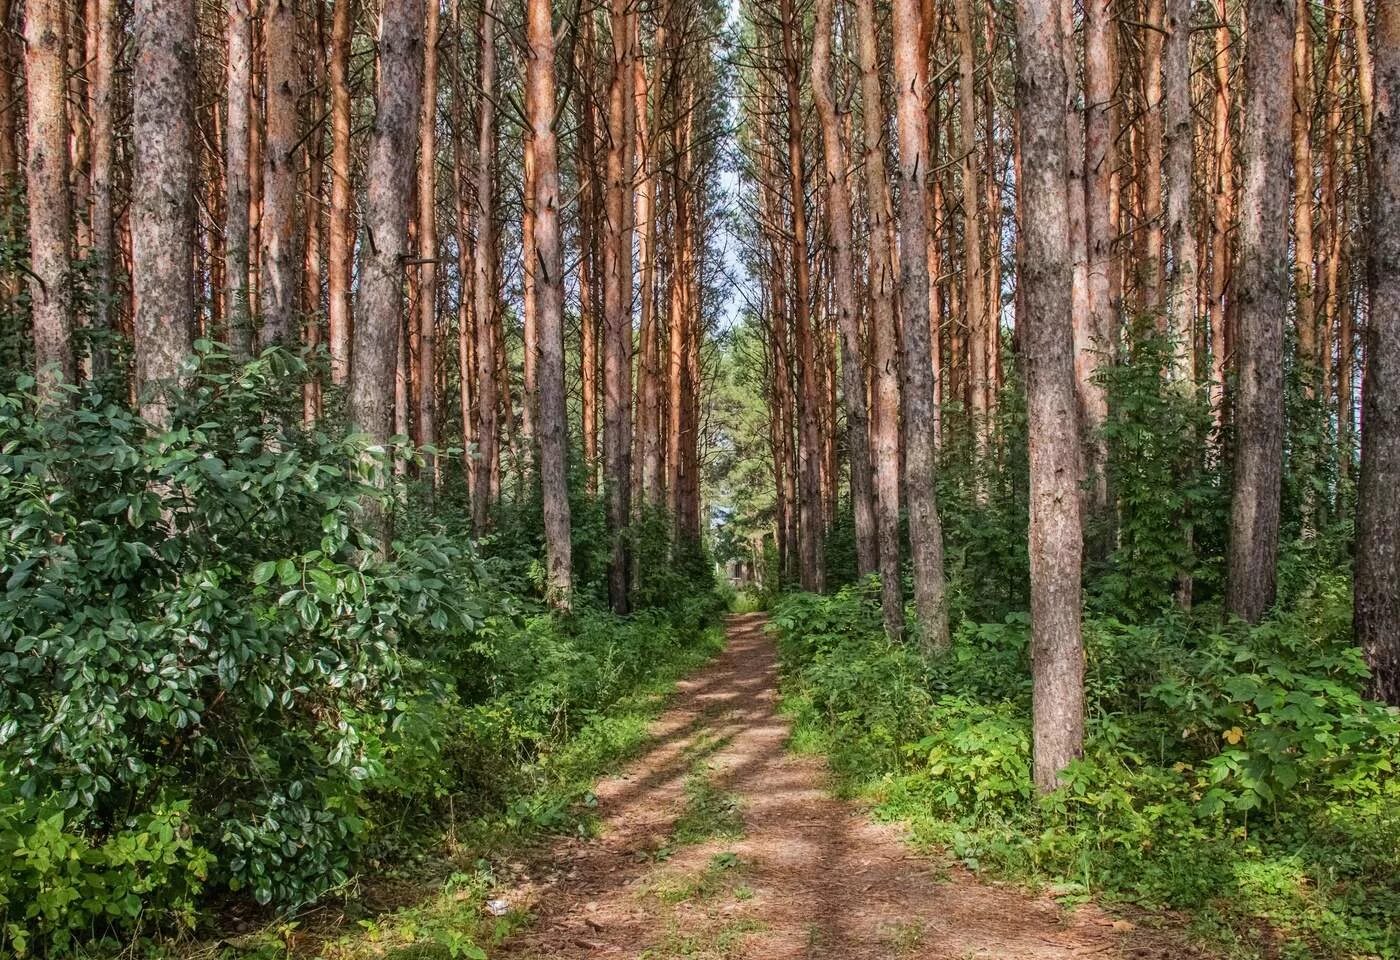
<point>1156,435</point>
<point>213,681</point>
<point>1240,774</point>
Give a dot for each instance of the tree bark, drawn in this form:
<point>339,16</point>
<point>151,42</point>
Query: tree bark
<point>379,320</point>
<point>883,330</point>
<point>1180,225</point>
<point>552,426</point>
<point>104,251</point>
<point>483,279</point>
<point>1377,612</point>
<point>1094,335</point>
<point>48,198</point>
<point>341,240</point>
<point>838,202</point>
<point>1056,539</point>
<point>277,286</point>
<point>925,530</point>
<point>617,321</point>
<point>162,232</point>
<point>428,246</point>
<point>974,269</point>
<point>1263,301</point>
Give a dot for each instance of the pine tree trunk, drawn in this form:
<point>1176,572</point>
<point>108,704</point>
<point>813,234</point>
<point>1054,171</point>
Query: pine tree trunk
<point>552,425</point>
<point>925,531</point>
<point>48,198</point>
<point>883,330</point>
<point>617,321</point>
<point>341,241</point>
<point>483,278</point>
<point>277,258</point>
<point>1056,539</point>
<point>838,201</point>
<point>1263,285</point>
<point>974,269</point>
<point>380,319</point>
<point>162,233</point>
<point>1179,166</point>
<point>1377,615</point>
<point>104,252</point>
<point>238,307</point>
<point>428,246</point>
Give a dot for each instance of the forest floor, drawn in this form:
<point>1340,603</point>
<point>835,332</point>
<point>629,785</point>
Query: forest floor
<point>718,842</point>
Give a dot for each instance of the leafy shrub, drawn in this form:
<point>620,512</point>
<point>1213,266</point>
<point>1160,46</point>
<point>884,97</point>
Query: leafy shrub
<point>1239,773</point>
<point>196,614</point>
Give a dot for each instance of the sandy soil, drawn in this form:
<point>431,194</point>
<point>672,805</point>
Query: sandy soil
<point>719,843</point>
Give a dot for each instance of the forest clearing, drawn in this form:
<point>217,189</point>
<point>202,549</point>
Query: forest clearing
<point>699,478</point>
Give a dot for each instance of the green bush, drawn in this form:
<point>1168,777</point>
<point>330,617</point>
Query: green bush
<point>212,681</point>
<point>1239,774</point>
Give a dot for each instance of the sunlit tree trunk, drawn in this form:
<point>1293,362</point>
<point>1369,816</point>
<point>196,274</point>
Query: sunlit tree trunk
<point>883,331</point>
<point>48,199</point>
<point>428,245</point>
<point>380,318</point>
<point>925,531</point>
<point>1093,331</point>
<point>162,234</point>
<point>277,236</point>
<point>1263,294</point>
<point>341,240</point>
<point>974,267</point>
<point>104,251</point>
<point>617,320</point>
<point>552,426</point>
<point>484,288</point>
<point>1179,166</point>
<point>1222,200</point>
<point>1303,248</point>
<point>1056,540</point>
<point>838,197</point>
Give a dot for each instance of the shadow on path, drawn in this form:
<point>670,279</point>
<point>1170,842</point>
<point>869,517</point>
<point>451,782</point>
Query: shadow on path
<point>809,877</point>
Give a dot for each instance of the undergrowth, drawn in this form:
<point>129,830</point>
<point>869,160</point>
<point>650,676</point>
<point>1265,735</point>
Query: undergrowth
<point>1237,774</point>
<point>220,701</point>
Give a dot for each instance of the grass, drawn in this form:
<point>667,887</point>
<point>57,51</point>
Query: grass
<point>710,813</point>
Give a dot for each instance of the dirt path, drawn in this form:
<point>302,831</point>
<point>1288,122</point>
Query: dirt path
<point>720,844</point>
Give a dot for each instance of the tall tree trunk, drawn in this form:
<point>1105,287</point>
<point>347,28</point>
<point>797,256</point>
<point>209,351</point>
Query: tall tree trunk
<point>483,277</point>
<point>162,233</point>
<point>1377,616</point>
<point>1222,220</point>
<point>277,257</point>
<point>883,331</point>
<point>617,321</point>
<point>1263,294</point>
<point>315,180</point>
<point>1093,335</point>
<point>552,426</point>
<point>104,252</point>
<point>838,202</point>
<point>380,319</point>
<point>1305,322</point>
<point>48,199</point>
<point>1056,540</point>
<point>238,308</point>
<point>1152,265</point>
<point>925,531</point>
<point>428,245</point>
<point>1180,226</point>
<point>647,466</point>
<point>974,268</point>
<point>810,529</point>
<point>341,241</point>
